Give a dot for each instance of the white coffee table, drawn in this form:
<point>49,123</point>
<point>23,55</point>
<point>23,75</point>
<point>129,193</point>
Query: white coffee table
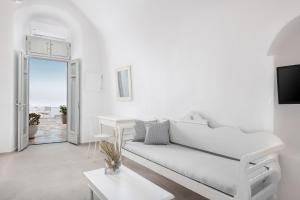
<point>126,185</point>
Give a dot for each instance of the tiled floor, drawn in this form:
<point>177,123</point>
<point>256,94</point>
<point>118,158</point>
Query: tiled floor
<point>50,130</point>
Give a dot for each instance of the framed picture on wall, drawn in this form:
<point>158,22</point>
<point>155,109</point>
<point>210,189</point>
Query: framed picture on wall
<point>123,81</point>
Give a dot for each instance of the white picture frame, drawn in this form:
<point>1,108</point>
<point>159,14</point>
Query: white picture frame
<point>124,83</point>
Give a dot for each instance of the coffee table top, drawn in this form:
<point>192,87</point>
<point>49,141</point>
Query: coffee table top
<point>126,185</point>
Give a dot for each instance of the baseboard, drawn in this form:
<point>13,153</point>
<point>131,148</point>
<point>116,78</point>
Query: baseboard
<point>8,152</point>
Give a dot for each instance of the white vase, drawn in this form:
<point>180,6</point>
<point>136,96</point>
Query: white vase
<point>32,131</point>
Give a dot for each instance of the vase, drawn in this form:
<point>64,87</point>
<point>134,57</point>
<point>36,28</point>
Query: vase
<point>112,167</point>
<point>64,119</point>
<point>32,131</point>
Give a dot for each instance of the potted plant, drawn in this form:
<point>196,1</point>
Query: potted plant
<point>34,121</point>
<point>63,111</point>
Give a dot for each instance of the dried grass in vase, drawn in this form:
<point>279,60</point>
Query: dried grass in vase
<point>113,156</point>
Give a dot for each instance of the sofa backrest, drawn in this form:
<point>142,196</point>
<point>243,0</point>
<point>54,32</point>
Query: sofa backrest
<point>227,141</point>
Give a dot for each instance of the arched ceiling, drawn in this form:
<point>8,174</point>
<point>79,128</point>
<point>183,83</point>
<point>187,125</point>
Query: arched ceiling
<point>287,41</point>
<point>52,15</point>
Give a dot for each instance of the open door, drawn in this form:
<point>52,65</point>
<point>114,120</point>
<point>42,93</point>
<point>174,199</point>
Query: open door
<point>74,101</point>
<point>22,102</point>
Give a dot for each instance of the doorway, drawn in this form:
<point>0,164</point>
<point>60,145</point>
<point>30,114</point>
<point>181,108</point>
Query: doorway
<point>72,98</point>
<point>47,101</point>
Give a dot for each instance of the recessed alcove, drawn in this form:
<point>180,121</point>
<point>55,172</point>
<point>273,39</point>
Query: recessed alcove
<point>285,50</point>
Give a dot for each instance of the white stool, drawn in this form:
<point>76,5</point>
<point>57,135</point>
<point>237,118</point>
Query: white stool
<point>97,138</point>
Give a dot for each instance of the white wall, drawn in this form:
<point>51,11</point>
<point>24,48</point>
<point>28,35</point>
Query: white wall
<point>7,84</point>
<point>286,51</point>
<point>209,56</point>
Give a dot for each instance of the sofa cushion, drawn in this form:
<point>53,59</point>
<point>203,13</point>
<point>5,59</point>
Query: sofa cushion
<point>211,170</point>
<point>226,141</point>
<point>158,133</point>
<point>186,133</point>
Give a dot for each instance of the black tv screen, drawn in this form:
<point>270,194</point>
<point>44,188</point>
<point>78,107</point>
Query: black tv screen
<point>288,84</point>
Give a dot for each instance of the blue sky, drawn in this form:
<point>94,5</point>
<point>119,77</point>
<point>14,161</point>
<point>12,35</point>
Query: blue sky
<point>47,82</point>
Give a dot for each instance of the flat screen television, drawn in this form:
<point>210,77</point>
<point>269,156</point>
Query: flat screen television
<point>288,84</point>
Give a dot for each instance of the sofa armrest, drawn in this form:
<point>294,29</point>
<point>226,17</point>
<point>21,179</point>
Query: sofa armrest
<point>252,157</point>
<point>257,166</point>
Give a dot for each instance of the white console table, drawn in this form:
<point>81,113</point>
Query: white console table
<point>117,123</point>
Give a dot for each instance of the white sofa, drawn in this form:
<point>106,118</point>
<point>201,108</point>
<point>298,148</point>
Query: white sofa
<point>218,163</point>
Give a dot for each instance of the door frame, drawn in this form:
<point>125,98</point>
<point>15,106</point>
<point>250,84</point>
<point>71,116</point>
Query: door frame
<point>67,61</point>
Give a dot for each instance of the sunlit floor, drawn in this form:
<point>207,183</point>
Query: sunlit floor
<point>50,130</point>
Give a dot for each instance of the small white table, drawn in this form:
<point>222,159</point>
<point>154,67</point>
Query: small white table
<point>126,185</point>
<point>118,123</point>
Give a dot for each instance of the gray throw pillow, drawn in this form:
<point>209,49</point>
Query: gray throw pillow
<point>140,131</point>
<point>158,133</point>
